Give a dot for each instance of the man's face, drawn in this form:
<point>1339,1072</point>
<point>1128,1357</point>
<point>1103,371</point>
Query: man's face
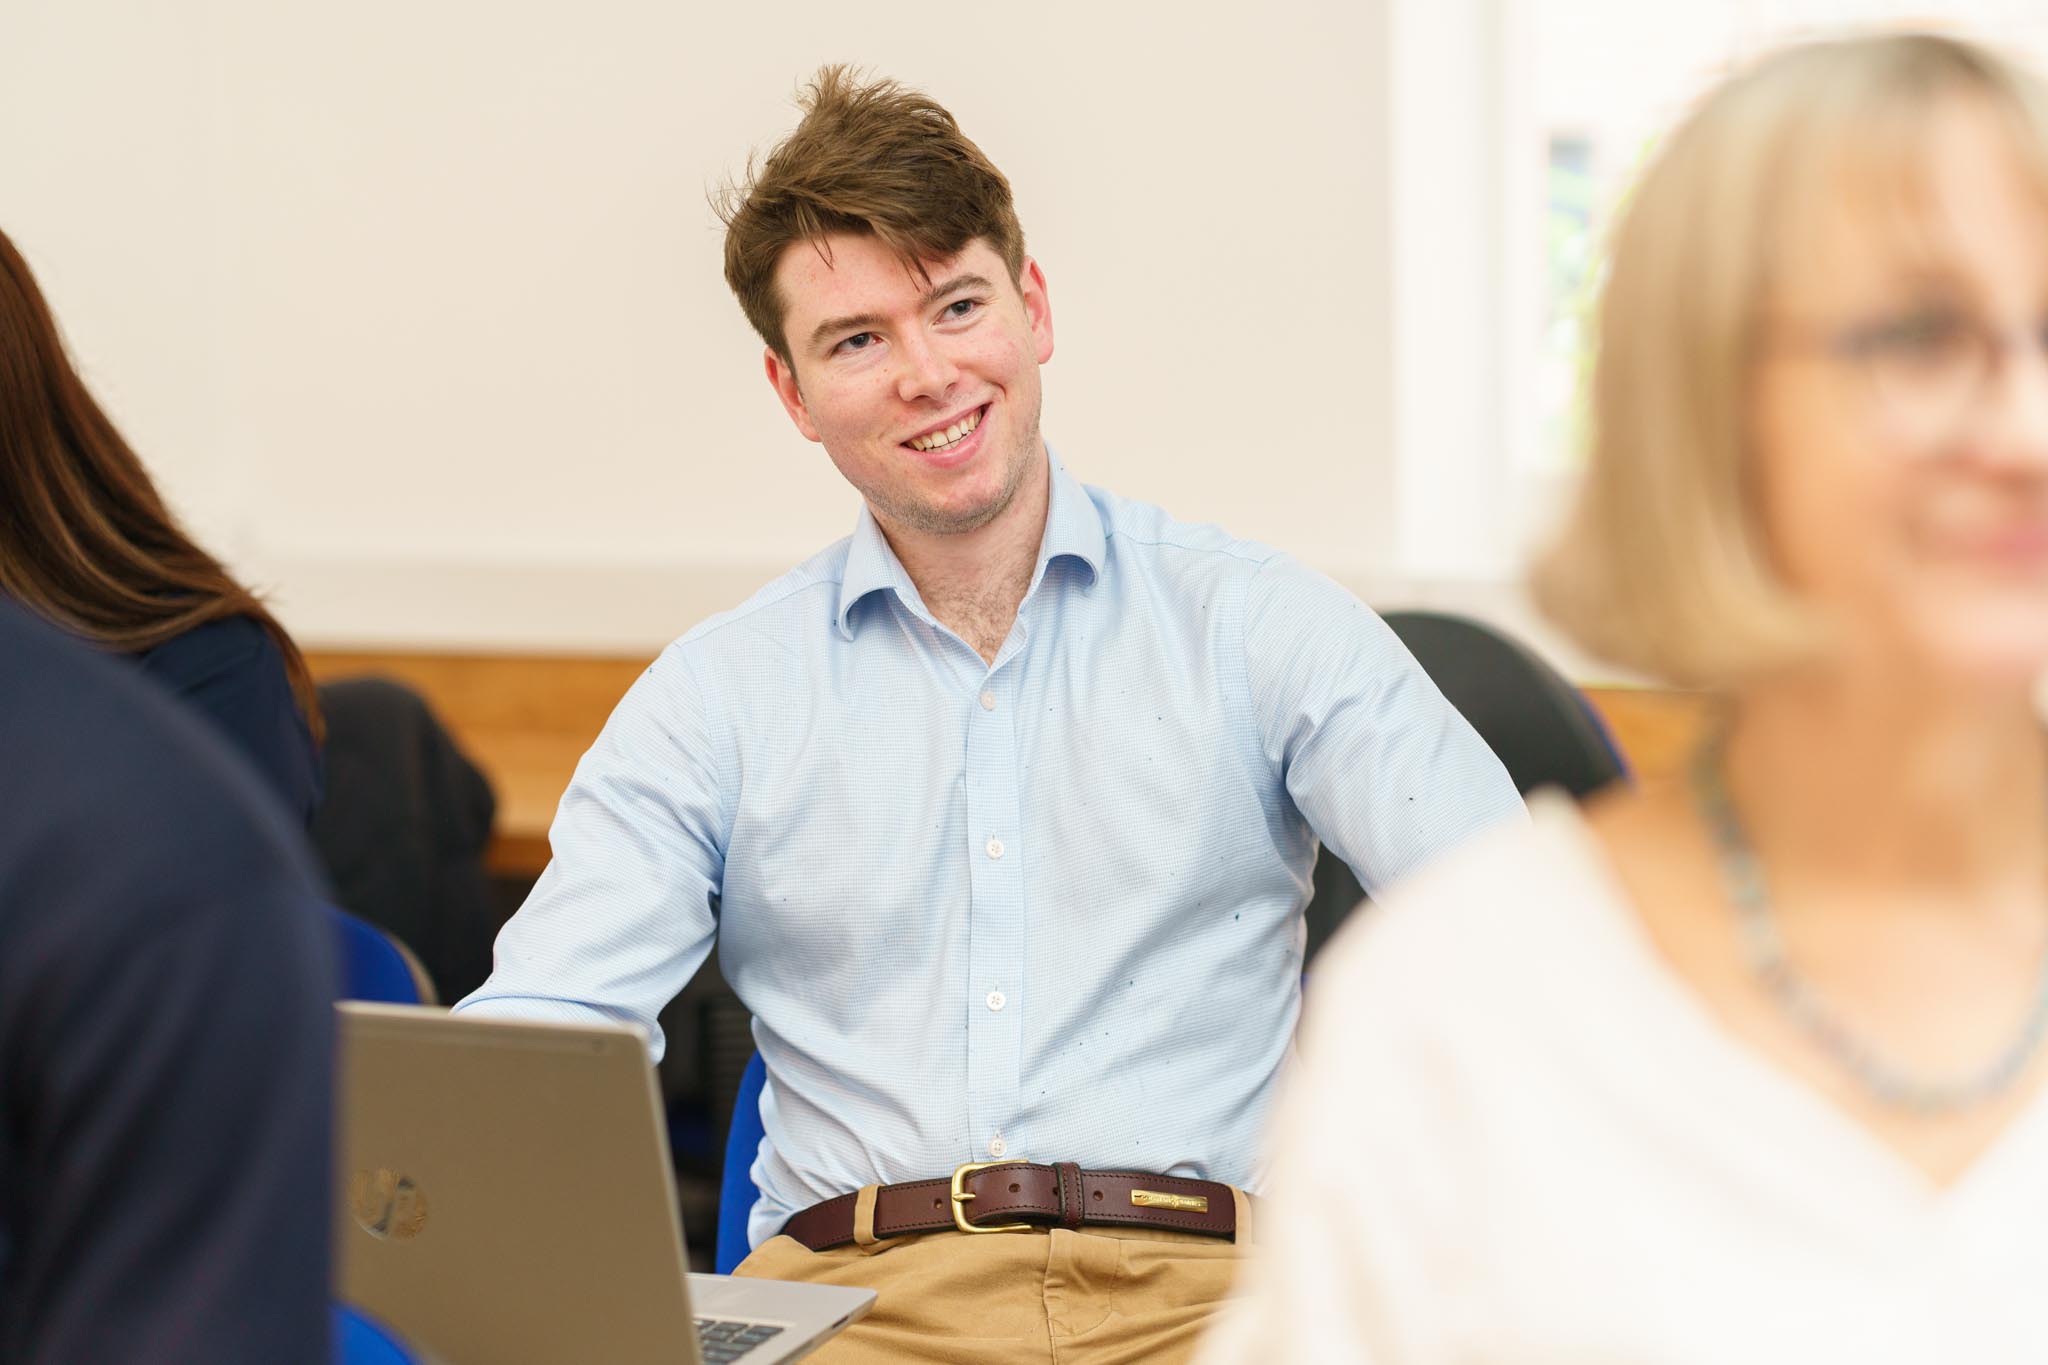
<point>925,393</point>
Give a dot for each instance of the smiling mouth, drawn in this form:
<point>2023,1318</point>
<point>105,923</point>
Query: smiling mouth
<point>945,438</point>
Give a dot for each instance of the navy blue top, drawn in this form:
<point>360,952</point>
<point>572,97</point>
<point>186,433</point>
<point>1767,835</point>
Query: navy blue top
<point>166,1068</point>
<point>234,672</point>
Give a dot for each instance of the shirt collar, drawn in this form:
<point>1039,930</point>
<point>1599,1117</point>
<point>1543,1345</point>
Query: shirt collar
<point>1073,528</point>
<point>1073,525</point>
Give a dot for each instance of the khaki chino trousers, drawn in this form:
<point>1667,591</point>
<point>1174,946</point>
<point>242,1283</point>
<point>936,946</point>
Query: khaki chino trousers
<point>1099,1296</point>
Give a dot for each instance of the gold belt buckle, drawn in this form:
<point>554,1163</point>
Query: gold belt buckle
<point>961,1196</point>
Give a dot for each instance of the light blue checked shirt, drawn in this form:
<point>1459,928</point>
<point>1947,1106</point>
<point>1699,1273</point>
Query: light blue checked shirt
<point>1046,908</point>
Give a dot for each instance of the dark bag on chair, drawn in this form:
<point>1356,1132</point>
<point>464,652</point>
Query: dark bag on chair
<point>403,829</point>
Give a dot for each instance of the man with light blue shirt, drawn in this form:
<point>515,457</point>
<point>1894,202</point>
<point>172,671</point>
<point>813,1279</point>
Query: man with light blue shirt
<point>1002,811</point>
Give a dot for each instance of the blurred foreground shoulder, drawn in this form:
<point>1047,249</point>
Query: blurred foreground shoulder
<point>166,987</point>
<point>1462,938</point>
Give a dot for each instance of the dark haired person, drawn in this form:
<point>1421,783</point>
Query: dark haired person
<point>87,543</point>
<point>1002,809</point>
<point>166,1048</point>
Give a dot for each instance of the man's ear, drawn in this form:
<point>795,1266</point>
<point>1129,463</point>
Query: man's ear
<point>782,378</point>
<point>1037,306</point>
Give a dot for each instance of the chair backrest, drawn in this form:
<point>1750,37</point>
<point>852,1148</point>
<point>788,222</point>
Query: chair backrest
<point>736,1194</point>
<point>1541,728</point>
<point>403,827</point>
<point>376,966</point>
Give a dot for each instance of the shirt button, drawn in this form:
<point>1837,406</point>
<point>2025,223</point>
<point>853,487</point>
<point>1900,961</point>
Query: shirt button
<point>996,1000</point>
<point>995,847</point>
<point>996,1145</point>
<point>988,701</point>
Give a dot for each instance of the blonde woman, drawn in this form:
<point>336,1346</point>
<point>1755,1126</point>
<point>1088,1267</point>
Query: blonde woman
<point>1749,1067</point>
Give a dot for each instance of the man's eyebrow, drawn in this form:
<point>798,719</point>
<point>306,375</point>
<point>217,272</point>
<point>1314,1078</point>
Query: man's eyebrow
<point>860,322</point>
<point>851,323</point>
<point>954,286</point>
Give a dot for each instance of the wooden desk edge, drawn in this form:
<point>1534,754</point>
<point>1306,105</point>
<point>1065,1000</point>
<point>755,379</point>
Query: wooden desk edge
<point>517,853</point>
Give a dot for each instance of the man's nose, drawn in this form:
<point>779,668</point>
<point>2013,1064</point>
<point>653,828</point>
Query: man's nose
<point>924,370</point>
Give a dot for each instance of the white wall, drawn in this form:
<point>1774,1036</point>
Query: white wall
<point>416,311</point>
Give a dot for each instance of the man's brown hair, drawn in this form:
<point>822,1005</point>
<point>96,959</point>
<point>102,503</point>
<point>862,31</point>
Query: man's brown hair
<point>874,159</point>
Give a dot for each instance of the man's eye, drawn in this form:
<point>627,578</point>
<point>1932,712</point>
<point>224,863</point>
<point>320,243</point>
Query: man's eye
<point>960,308</point>
<point>859,341</point>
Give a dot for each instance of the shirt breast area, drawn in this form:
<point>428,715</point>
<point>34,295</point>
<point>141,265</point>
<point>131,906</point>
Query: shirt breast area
<point>1093,813</point>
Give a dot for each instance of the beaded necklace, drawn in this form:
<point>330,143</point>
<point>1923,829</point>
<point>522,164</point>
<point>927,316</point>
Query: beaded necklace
<point>1763,947</point>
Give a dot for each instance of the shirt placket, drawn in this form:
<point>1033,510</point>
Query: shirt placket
<point>995,855</point>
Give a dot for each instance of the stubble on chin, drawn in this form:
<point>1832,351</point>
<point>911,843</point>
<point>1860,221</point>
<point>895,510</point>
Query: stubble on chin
<point>913,515</point>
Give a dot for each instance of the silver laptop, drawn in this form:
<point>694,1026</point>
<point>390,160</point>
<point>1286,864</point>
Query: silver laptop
<point>506,1199</point>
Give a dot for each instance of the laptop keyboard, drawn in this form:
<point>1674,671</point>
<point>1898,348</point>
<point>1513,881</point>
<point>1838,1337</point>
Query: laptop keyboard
<point>726,1341</point>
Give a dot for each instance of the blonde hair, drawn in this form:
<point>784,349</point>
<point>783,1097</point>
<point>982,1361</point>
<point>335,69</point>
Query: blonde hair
<point>1663,566</point>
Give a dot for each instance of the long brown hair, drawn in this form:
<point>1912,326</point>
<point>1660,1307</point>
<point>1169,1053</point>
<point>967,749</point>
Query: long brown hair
<point>85,538</point>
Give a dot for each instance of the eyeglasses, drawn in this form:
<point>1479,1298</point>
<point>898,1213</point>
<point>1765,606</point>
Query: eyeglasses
<point>1930,368</point>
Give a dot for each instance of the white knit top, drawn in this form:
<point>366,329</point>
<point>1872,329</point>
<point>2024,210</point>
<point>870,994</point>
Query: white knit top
<point>1514,1134</point>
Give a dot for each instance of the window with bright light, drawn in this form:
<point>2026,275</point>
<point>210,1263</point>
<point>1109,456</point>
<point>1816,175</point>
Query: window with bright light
<point>1606,79</point>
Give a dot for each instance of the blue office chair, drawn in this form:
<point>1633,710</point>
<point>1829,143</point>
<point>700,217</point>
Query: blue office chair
<point>736,1193</point>
<point>376,966</point>
<point>360,1339</point>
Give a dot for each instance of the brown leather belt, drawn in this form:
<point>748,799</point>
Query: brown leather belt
<point>1019,1196</point>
